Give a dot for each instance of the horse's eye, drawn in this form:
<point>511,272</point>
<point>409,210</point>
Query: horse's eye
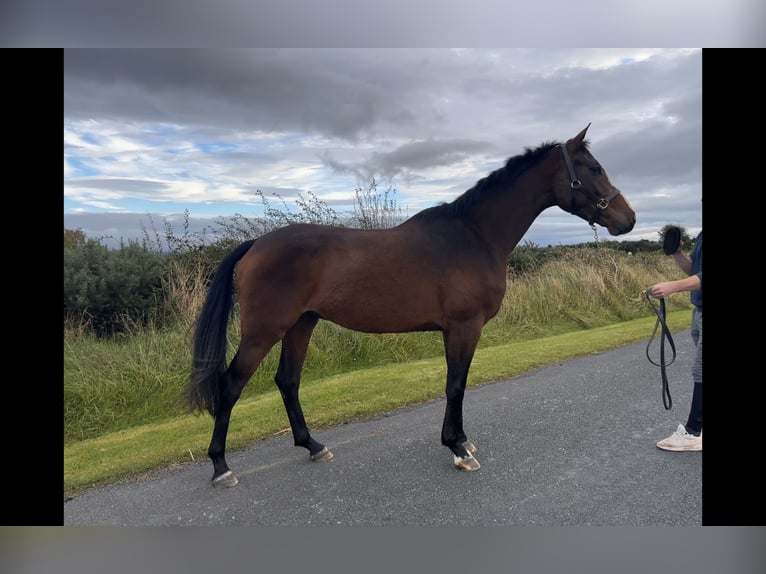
<point>596,169</point>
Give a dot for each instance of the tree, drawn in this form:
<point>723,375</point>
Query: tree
<point>73,238</point>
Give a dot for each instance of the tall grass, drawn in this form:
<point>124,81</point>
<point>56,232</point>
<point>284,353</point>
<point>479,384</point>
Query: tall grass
<point>117,384</point>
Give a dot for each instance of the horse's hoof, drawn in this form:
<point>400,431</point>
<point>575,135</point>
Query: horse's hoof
<point>466,463</point>
<point>322,455</point>
<point>469,446</point>
<point>226,479</point>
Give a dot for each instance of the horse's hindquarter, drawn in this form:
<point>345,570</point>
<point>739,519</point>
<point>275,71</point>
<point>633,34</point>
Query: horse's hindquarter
<point>379,281</point>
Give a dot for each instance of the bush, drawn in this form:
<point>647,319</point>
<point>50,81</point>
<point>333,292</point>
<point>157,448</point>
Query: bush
<point>530,257</point>
<point>109,290</point>
<point>374,210</point>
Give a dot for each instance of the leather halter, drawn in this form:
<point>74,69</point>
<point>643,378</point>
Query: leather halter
<point>576,185</point>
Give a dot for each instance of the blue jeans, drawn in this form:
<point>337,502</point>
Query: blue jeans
<point>694,422</point>
<point>697,338</point>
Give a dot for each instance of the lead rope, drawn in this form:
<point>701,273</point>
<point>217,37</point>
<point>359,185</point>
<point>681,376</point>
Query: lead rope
<point>665,335</point>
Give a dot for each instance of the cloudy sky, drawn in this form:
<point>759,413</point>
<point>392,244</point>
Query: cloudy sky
<point>151,134</point>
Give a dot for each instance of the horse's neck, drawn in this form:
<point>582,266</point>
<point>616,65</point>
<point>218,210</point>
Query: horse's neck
<point>504,218</point>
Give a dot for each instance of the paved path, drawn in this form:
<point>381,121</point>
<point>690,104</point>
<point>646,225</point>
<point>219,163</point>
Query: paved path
<point>568,444</point>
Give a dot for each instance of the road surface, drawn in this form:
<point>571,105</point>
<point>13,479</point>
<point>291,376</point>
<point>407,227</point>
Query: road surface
<point>568,444</point>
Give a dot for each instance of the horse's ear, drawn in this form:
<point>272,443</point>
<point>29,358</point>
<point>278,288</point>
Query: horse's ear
<point>575,142</point>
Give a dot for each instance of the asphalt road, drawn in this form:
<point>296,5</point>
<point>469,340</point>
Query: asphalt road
<point>569,444</point>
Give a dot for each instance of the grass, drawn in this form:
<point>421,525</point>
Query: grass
<point>128,453</point>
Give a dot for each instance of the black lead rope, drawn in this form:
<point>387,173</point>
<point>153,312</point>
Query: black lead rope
<point>665,334</point>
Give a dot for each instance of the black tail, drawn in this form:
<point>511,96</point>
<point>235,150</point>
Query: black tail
<point>210,341</point>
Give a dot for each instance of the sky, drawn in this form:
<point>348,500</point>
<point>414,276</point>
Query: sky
<point>151,135</point>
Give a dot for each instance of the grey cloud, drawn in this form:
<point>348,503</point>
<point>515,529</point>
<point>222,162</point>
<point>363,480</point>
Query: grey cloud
<point>409,158</point>
<point>137,186</point>
<point>336,92</point>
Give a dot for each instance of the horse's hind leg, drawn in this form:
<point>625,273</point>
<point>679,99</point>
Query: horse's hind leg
<point>460,344</point>
<point>247,359</point>
<point>288,378</point>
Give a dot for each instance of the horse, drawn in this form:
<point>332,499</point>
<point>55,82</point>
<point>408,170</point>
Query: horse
<point>443,269</point>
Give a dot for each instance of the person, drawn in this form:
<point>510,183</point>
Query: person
<point>688,437</point>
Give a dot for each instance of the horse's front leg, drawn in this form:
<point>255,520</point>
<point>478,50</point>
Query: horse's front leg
<point>459,344</point>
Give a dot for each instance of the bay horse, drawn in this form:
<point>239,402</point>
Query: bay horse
<point>443,269</point>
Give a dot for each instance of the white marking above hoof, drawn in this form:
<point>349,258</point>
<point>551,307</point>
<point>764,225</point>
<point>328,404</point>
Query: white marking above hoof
<point>322,455</point>
<point>226,479</point>
<point>468,463</point>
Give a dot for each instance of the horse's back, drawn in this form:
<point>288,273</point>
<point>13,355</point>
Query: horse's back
<point>389,280</point>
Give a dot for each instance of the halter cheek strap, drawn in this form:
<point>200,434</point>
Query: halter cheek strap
<point>576,185</point>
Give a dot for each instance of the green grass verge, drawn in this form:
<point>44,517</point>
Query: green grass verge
<point>127,454</point>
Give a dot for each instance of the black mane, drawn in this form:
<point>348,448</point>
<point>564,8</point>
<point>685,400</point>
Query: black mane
<point>495,182</point>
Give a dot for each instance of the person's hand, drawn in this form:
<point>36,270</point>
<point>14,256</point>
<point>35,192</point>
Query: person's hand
<point>661,290</point>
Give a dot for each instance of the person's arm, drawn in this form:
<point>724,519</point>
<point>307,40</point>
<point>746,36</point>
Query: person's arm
<point>685,263</point>
<point>662,290</point>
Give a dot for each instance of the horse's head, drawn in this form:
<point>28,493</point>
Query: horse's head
<point>582,187</point>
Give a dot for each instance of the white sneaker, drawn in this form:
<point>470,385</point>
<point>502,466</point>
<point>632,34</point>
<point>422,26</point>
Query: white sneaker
<point>681,440</point>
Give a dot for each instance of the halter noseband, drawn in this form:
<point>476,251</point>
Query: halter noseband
<point>576,185</point>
